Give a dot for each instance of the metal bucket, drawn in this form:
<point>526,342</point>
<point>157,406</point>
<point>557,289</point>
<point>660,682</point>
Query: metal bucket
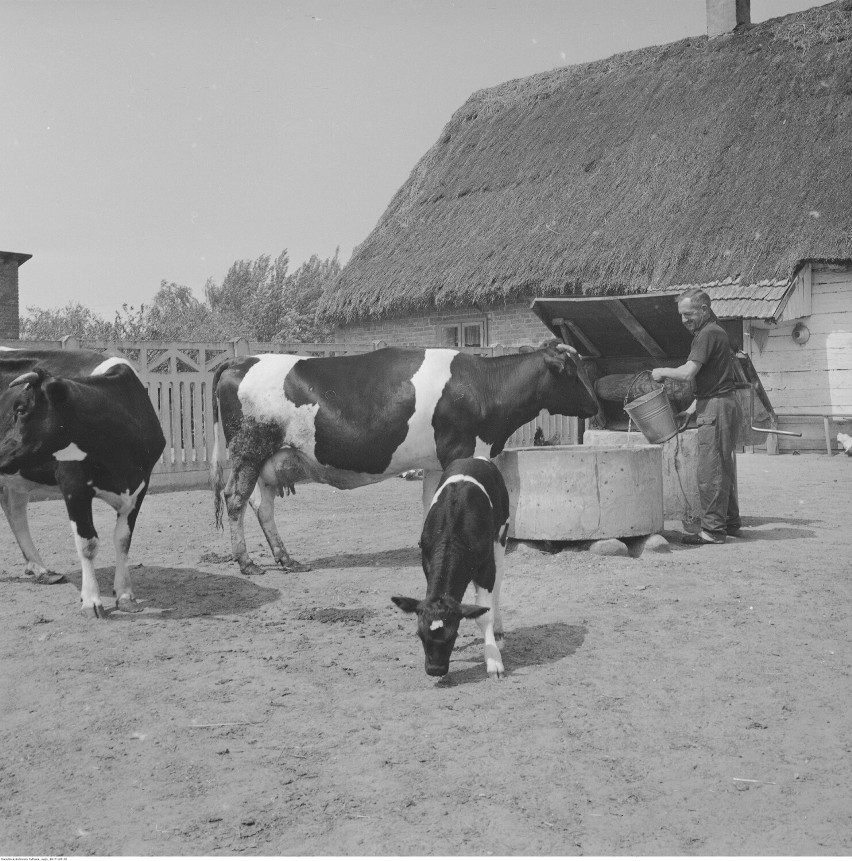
<point>652,413</point>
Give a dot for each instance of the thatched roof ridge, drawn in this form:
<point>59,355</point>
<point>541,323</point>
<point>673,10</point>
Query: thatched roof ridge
<point>683,163</point>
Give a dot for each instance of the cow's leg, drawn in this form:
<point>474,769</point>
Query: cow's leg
<point>486,622</point>
<point>78,497</point>
<point>122,586</point>
<point>262,500</point>
<point>237,492</point>
<point>14,504</point>
<point>86,539</point>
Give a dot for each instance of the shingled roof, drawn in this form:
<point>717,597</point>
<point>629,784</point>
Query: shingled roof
<point>685,163</point>
<point>733,299</point>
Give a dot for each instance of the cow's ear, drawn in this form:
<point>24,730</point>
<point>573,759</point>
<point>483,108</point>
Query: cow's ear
<point>408,605</point>
<point>472,611</point>
<point>57,392</point>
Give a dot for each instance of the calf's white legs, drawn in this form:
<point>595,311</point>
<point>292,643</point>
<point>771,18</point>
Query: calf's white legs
<point>491,623</point>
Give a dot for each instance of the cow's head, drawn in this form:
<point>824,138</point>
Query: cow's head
<point>34,420</point>
<point>438,627</point>
<point>568,388</point>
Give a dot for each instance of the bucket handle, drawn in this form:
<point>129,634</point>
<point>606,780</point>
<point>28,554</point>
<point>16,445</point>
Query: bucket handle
<point>633,383</point>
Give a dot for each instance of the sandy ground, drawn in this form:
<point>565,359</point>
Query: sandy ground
<point>692,703</point>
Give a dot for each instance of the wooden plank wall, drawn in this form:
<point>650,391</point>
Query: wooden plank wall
<point>807,381</point>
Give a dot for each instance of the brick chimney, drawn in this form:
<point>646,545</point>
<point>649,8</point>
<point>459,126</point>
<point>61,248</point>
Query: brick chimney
<point>723,16</point>
<point>9,263</point>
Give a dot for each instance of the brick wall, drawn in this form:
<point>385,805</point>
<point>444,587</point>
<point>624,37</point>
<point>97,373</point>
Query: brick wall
<point>509,326</point>
<point>8,298</point>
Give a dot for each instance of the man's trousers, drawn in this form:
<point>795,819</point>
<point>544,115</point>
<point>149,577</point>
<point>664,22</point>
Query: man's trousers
<point>718,422</point>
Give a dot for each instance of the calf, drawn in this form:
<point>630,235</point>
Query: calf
<point>94,436</point>
<point>348,421</point>
<point>463,541</point>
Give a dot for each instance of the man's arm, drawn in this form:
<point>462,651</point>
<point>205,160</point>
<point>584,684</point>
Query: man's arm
<point>686,372</point>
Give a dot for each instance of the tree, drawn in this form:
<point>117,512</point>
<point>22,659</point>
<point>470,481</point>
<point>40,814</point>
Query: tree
<point>258,299</point>
<point>302,293</point>
<point>51,324</point>
<point>176,315</point>
<point>251,296</point>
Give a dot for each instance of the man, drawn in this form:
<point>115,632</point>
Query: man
<point>710,366</point>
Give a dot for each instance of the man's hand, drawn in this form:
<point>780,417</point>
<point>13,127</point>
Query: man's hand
<point>659,374</point>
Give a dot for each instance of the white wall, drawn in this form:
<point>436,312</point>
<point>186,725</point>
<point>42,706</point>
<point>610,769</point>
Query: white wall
<point>815,377</point>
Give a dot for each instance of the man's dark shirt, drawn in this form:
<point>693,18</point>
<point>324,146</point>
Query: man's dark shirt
<point>711,348</point>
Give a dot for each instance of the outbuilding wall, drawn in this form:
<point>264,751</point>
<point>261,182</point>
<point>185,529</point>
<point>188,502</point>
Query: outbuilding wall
<point>808,380</point>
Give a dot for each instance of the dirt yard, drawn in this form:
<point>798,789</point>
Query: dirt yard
<point>691,703</point>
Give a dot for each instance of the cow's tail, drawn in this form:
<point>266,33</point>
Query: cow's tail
<point>220,450</point>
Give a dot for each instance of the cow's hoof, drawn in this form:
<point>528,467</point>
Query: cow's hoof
<point>128,605</point>
<point>49,578</point>
<point>293,567</point>
<point>496,675</point>
<point>96,610</point>
<point>252,569</point>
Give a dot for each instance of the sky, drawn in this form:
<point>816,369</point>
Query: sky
<point>151,140</point>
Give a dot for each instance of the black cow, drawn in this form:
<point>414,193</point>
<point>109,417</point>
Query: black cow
<point>463,542</point>
<point>82,425</point>
<point>352,420</point>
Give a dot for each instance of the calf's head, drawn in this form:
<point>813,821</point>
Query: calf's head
<point>34,420</point>
<point>438,627</point>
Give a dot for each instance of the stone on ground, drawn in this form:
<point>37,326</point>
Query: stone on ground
<point>609,547</point>
<point>654,543</point>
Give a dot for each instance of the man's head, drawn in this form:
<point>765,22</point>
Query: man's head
<point>693,305</point>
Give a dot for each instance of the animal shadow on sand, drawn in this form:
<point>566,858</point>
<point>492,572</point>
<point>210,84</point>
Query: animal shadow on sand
<point>523,647</point>
<point>182,593</point>
<point>401,557</point>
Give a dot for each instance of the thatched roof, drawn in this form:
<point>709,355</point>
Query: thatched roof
<point>685,163</point>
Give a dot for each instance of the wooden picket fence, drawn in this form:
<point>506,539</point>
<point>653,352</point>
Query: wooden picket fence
<point>179,376</point>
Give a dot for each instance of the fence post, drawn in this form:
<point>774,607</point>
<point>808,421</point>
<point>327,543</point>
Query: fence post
<point>69,342</point>
<point>378,345</point>
<point>240,346</point>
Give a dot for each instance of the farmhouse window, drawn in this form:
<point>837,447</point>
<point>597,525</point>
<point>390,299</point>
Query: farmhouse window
<point>462,335</point>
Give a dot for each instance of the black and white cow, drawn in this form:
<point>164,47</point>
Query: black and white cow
<point>83,427</point>
<point>352,420</point>
<point>463,542</point>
